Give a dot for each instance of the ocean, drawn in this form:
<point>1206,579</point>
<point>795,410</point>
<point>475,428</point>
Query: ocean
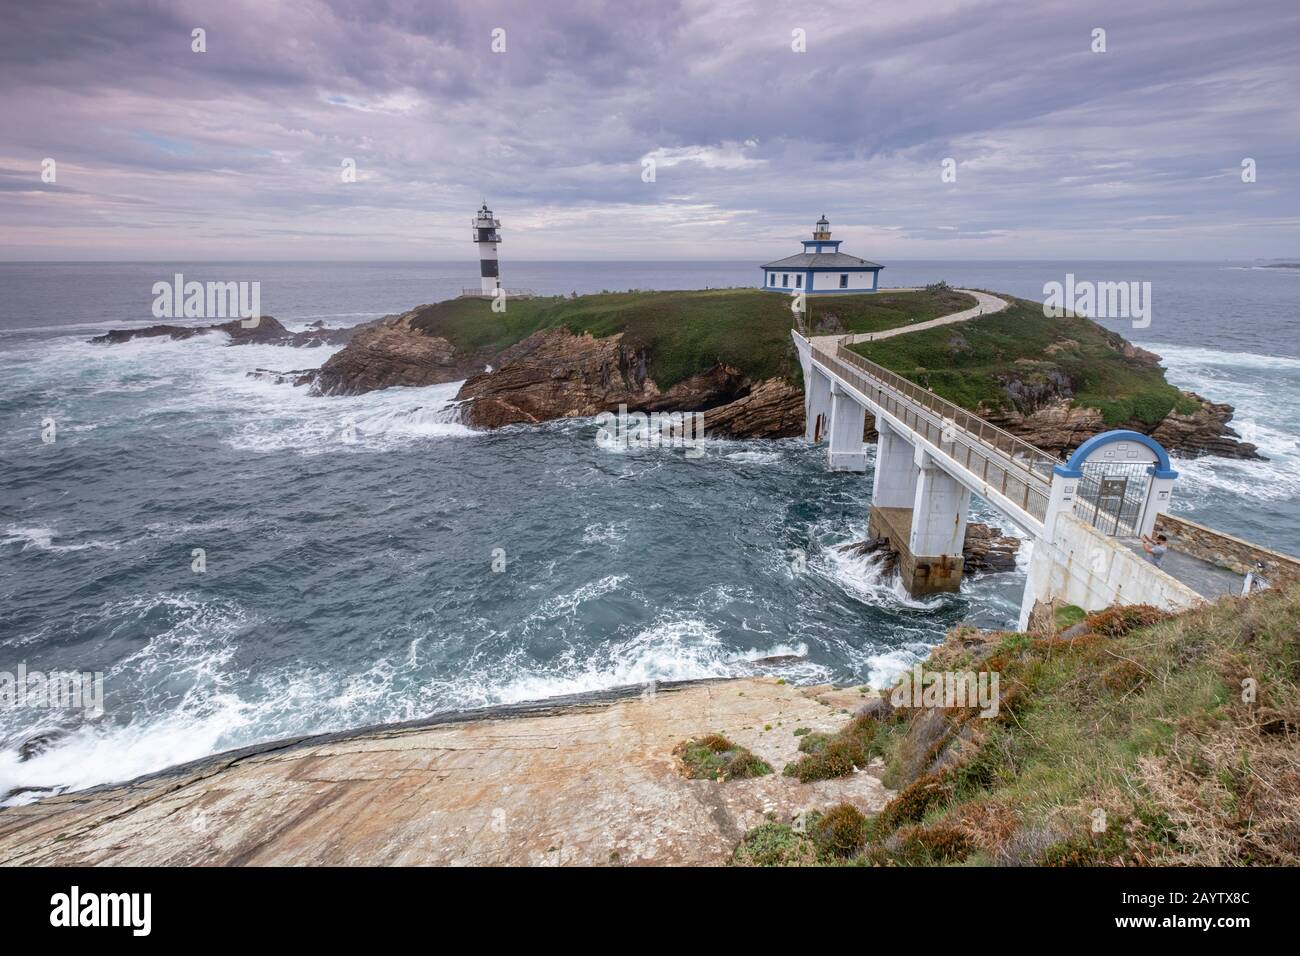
<point>426,567</point>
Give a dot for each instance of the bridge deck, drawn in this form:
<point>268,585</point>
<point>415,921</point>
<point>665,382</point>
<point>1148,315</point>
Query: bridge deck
<point>991,457</point>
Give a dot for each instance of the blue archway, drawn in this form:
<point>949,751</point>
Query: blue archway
<point>1074,467</point>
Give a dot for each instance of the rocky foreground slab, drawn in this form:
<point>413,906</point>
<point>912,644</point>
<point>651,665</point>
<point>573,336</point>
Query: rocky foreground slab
<point>590,780</point>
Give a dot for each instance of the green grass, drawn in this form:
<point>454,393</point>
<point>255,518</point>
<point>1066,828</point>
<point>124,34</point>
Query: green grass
<point>1068,615</point>
<point>967,364</point>
<point>714,757</point>
<point>886,310</point>
<point>1134,743</point>
<point>685,333</point>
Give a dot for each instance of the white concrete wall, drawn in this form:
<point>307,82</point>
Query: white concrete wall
<point>848,417</point>
<point>817,401</point>
<point>830,281</point>
<point>1079,565</point>
<point>938,512</point>
<point>894,484</point>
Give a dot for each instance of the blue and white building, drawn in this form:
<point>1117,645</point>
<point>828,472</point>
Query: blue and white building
<point>821,269</point>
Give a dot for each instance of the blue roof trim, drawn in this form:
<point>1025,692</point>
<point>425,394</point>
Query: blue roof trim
<point>1074,467</point>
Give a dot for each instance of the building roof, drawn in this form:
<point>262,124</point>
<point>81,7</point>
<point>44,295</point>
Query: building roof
<point>822,260</point>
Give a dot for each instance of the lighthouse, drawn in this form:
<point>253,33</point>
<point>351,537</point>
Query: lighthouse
<point>821,269</point>
<point>486,235</point>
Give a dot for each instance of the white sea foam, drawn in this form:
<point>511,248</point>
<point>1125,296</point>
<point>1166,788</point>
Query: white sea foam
<point>42,539</point>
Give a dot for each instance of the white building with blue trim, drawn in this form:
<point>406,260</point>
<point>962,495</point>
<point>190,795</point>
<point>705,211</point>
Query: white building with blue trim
<point>821,269</point>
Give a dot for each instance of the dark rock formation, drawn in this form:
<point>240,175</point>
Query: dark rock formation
<point>302,376</point>
<point>390,353</point>
<point>556,374</point>
<point>985,551</point>
<point>38,743</point>
<point>772,409</point>
<point>1204,432</point>
<point>1059,428</point>
<point>267,331</point>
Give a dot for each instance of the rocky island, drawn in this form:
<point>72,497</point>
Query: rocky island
<point>727,353</point>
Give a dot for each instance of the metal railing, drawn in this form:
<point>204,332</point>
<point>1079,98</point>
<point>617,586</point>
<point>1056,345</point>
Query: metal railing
<point>480,294</point>
<point>1019,471</point>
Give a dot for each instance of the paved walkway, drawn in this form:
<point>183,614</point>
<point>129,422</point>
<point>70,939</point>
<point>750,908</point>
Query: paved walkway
<point>985,305</point>
<point>1208,580</point>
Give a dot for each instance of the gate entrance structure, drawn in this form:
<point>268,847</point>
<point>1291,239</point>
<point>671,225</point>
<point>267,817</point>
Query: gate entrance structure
<point>1124,482</point>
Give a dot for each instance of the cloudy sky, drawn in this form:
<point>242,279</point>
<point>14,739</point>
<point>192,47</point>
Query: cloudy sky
<point>161,152</point>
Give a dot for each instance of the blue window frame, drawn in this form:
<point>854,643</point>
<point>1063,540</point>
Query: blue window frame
<point>798,282</point>
<point>785,279</point>
<point>844,280</point>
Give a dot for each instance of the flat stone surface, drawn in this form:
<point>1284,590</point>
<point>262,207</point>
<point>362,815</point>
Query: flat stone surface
<point>579,783</point>
<point>1205,578</point>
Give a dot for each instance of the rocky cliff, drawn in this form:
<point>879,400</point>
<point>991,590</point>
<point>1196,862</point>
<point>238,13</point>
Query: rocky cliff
<point>558,373</point>
<point>555,373</point>
<point>267,331</point>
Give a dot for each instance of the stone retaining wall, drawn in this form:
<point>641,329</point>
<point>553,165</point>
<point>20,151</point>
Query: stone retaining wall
<point>1227,551</point>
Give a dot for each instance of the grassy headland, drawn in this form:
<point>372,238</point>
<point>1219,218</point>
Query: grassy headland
<point>972,363</point>
<point>1140,739</point>
<point>684,333</point>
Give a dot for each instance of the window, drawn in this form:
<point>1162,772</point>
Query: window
<point>844,280</point>
<point>771,278</point>
<point>798,282</point>
<point>785,279</point>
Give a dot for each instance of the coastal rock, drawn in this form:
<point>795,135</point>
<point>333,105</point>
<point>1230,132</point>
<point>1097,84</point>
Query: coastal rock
<point>557,374</point>
<point>1056,427</point>
<point>302,376</point>
<point>988,551</point>
<point>985,551</point>
<point>268,331</point>
<point>1204,432</point>
<point>1059,428</point>
<point>772,409</point>
<point>388,354</point>
<point>583,781</point>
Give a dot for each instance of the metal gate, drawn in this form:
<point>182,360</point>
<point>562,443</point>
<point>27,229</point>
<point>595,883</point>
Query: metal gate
<point>1112,496</point>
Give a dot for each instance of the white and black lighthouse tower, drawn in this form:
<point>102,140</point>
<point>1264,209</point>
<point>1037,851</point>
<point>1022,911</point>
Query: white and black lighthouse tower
<point>486,235</point>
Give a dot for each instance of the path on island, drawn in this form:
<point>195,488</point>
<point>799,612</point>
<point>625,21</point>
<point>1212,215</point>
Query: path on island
<point>589,780</point>
<point>985,304</point>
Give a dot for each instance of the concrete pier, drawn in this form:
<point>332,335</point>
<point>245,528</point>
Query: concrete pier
<point>817,405</point>
<point>922,574</point>
<point>848,419</point>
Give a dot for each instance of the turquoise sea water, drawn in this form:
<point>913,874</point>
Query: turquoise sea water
<point>349,583</point>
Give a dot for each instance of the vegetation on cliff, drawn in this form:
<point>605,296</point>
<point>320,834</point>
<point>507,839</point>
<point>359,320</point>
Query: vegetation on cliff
<point>1138,739</point>
<point>714,757</point>
<point>1020,358</point>
<point>683,333</point>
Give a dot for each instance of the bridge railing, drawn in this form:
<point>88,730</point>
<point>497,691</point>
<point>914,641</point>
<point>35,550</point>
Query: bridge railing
<point>1021,472</point>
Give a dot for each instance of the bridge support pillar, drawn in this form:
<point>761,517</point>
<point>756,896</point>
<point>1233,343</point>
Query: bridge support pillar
<point>817,405</point>
<point>928,531</point>
<point>848,420</point>
<point>894,485</point>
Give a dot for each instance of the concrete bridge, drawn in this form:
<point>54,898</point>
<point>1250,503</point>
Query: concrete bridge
<point>1084,517</point>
